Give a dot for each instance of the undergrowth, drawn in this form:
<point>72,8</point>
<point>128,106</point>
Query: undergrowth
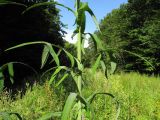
<point>138,96</point>
<point>34,104</point>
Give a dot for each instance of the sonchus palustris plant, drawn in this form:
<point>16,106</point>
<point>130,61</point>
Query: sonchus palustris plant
<point>76,106</point>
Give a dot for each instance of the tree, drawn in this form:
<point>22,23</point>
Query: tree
<point>132,30</point>
<point>39,24</point>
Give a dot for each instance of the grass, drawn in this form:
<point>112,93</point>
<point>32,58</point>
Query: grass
<point>36,102</point>
<point>138,95</point>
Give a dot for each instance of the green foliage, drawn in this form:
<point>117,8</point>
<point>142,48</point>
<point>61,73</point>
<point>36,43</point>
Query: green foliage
<point>133,27</point>
<point>7,116</point>
<point>75,104</point>
<point>20,28</point>
<point>68,106</point>
<point>138,96</point>
<point>39,101</point>
<point>41,23</point>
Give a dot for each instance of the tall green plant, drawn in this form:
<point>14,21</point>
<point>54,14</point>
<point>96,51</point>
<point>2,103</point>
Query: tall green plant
<point>76,105</point>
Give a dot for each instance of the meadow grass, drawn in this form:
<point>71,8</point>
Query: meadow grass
<point>34,104</point>
<point>137,94</point>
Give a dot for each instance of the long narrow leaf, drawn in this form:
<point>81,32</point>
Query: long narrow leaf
<point>12,3</point>
<point>62,79</point>
<point>96,41</point>
<point>84,101</point>
<point>47,71</point>
<point>53,54</point>
<point>45,4</point>
<point>104,68</point>
<point>58,53</point>
<point>113,67</point>
<point>11,72</point>
<point>91,97</point>
<point>68,106</point>
<point>26,44</point>
<point>85,7</point>
<point>16,114</point>
<point>82,46</point>
<point>45,55</point>
<point>9,66</point>
<point>54,75</point>
<point>80,65</point>
<point>140,58</point>
<point>75,78</point>
<point>94,19</point>
<point>71,57</point>
<point>96,64</point>
<point>59,68</point>
<point>5,66</point>
<point>32,43</point>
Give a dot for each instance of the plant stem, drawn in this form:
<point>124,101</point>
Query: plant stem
<point>79,57</point>
<point>78,4</point>
<point>79,45</point>
<point>79,82</point>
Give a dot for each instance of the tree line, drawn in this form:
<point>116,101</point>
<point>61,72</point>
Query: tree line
<point>133,33</point>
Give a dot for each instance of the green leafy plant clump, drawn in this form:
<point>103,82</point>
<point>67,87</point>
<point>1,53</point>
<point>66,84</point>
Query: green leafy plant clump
<point>77,106</point>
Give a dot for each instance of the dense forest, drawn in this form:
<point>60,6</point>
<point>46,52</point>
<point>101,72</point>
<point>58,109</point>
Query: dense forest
<point>133,31</point>
<point>39,24</point>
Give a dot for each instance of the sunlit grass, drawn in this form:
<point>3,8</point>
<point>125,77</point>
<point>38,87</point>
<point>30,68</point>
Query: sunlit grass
<point>138,95</point>
<point>34,104</point>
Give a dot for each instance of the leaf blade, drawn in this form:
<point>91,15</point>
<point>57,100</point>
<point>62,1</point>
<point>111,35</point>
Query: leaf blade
<point>71,57</point>
<point>11,72</point>
<point>53,54</point>
<point>45,4</point>
<point>68,106</point>
<point>62,79</point>
<point>96,64</point>
<point>45,55</point>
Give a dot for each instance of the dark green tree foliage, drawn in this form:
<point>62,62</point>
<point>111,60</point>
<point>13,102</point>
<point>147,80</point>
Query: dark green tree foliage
<point>39,24</point>
<point>134,27</point>
<point>143,15</point>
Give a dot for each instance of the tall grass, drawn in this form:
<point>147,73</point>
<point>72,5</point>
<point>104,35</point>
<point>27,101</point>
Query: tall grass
<point>138,95</point>
<point>39,101</point>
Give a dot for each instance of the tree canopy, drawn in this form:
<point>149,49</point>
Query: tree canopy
<point>38,24</point>
<point>134,27</point>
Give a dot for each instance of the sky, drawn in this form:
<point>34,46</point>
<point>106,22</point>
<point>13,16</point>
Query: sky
<point>100,8</point>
